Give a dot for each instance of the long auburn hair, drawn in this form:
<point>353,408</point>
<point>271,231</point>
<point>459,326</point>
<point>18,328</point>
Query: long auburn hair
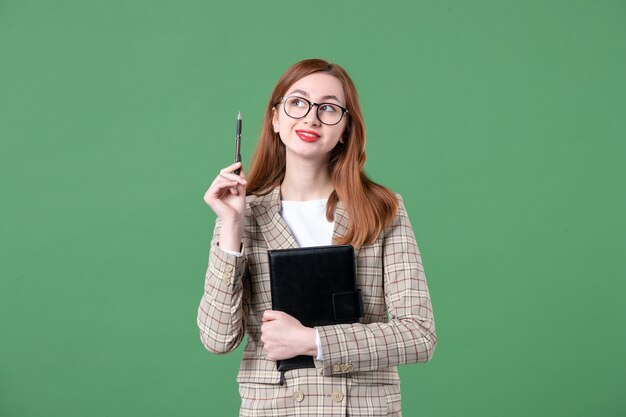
<point>370,206</point>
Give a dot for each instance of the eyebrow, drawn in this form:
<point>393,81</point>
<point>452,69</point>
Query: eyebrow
<point>304,93</point>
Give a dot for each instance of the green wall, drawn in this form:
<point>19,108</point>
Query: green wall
<point>501,123</point>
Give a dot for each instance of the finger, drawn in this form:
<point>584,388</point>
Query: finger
<point>217,194</point>
<point>233,177</point>
<point>220,184</point>
<point>230,168</point>
<point>269,315</point>
<point>220,180</point>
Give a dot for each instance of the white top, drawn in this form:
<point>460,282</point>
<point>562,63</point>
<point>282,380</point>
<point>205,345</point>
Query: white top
<point>307,222</point>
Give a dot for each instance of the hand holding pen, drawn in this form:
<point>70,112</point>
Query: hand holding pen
<point>227,198</point>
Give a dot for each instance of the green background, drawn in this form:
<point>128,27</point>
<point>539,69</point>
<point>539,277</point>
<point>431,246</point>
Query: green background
<point>501,123</point>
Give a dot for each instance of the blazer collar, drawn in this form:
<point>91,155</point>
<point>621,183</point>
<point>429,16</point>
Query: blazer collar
<point>266,209</point>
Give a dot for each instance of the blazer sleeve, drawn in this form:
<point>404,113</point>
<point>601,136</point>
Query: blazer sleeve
<point>221,315</point>
<point>409,334</point>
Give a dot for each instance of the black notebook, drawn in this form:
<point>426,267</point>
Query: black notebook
<point>316,285</point>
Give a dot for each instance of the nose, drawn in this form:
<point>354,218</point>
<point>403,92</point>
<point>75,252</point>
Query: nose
<point>312,118</point>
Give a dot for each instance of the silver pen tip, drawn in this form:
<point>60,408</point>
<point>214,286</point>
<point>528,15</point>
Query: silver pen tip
<point>238,115</point>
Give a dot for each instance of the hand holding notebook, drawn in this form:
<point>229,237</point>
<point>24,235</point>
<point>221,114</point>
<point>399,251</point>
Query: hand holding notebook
<point>283,336</point>
<point>317,286</point>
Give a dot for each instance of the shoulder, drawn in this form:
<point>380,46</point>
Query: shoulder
<point>401,217</point>
<point>399,202</point>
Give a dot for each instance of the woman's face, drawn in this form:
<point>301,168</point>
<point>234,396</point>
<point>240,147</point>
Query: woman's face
<point>308,137</point>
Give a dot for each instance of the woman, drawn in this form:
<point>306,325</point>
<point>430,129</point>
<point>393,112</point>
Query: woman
<point>307,188</point>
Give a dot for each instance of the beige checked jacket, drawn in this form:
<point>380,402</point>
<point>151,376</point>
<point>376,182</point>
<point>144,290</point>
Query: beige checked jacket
<point>357,375</point>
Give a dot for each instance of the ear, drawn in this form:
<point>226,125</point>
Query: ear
<point>345,135</point>
<point>275,120</point>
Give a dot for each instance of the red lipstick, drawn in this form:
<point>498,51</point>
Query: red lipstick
<point>307,135</point>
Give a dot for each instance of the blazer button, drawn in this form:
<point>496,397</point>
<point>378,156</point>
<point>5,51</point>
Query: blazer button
<point>336,368</point>
<point>343,367</point>
<point>349,367</point>
<point>298,396</point>
<point>337,396</point>
<point>229,268</point>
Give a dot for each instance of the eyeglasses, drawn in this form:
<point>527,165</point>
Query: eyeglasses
<point>328,113</point>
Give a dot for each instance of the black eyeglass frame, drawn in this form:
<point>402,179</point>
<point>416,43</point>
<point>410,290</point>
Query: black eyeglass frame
<point>317,111</point>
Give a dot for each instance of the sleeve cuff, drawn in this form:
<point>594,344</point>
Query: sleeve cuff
<point>318,343</point>
<point>226,266</point>
<point>232,252</point>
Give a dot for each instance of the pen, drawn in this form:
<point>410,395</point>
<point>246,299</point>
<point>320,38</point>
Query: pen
<point>238,142</point>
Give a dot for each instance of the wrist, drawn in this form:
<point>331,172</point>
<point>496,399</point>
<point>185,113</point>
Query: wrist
<point>310,346</point>
<point>231,236</point>
<point>236,222</point>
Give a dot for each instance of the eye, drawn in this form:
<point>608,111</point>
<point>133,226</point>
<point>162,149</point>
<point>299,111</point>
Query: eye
<point>330,108</point>
<point>297,102</point>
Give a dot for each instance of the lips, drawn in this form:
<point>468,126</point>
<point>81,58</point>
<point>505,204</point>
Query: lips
<point>307,135</point>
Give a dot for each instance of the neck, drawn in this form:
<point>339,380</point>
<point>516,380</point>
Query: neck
<point>306,180</point>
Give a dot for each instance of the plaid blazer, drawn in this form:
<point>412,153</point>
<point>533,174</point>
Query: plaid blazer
<point>397,326</point>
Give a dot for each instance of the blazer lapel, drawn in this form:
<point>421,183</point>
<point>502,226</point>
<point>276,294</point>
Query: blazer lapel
<point>266,210</point>
<point>341,222</point>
